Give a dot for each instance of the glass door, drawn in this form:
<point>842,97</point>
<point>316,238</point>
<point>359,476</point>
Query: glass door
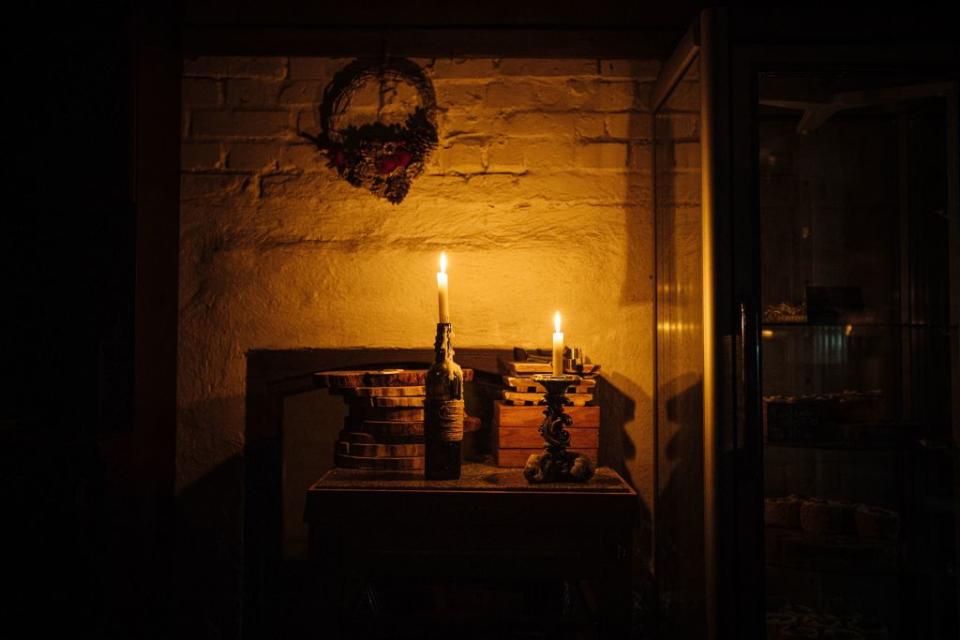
<point>678,222</point>
<point>808,374</point>
<point>853,179</point>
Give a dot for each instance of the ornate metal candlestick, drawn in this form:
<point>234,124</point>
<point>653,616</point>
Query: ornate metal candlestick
<point>443,410</point>
<point>556,464</point>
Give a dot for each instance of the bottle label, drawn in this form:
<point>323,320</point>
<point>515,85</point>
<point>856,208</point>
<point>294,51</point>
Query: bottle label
<point>444,420</point>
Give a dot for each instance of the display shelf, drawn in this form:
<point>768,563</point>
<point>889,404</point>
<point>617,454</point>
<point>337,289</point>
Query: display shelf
<point>855,325</point>
<point>837,553</point>
<point>914,444</point>
<point>849,436</point>
<point>906,445</point>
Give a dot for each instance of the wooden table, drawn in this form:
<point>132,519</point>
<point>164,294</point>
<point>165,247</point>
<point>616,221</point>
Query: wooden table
<point>488,524</point>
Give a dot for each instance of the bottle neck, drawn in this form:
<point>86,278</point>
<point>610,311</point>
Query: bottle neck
<point>443,344</point>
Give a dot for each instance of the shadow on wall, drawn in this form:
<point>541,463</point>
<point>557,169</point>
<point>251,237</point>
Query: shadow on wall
<point>637,131</point>
<point>679,349</point>
<point>623,399</point>
<point>208,559</point>
<point>617,396</point>
<point>208,554</point>
<point>680,554</point>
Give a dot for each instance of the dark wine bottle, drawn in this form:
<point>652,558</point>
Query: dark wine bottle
<point>443,410</point>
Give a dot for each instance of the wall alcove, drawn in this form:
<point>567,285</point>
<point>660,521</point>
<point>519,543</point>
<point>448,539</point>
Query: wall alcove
<point>543,169</point>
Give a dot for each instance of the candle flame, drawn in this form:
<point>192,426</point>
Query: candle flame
<point>556,322</point>
<point>443,262</point>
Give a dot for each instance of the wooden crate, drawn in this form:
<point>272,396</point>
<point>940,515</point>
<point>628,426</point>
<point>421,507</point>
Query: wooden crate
<point>519,416</point>
<point>516,432</point>
<point>529,438</point>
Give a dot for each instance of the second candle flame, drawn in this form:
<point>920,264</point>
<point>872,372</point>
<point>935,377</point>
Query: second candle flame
<point>557,355</point>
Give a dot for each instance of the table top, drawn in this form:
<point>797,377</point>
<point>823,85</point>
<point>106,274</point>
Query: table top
<point>484,495</point>
<point>474,477</point>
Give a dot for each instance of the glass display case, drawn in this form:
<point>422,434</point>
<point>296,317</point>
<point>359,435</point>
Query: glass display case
<point>816,344</point>
<point>855,373</point>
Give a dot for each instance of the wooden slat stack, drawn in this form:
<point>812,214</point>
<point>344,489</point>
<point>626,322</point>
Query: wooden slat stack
<point>519,413</point>
<point>384,427</point>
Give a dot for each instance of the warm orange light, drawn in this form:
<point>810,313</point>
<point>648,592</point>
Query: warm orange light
<point>443,290</point>
<point>848,330</point>
<point>767,333</point>
<point>557,359</point>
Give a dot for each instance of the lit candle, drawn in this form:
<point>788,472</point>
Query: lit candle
<point>557,346</point>
<point>443,290</point>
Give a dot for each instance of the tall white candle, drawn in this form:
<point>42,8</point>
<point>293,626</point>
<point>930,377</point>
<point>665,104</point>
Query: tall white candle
<point>443,290</point>
<point>557,346</point>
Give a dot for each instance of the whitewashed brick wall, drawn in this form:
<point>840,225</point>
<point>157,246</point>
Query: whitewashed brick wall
<point>540,193</point>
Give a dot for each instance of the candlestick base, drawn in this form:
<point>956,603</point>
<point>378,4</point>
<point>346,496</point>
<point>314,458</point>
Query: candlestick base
<point>556,464</point>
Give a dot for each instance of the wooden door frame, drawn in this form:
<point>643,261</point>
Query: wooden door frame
<point>148,453</point>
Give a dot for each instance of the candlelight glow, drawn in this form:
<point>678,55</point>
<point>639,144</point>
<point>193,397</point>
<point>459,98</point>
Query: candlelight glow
<point>443,289</point>
<point>557,359</point>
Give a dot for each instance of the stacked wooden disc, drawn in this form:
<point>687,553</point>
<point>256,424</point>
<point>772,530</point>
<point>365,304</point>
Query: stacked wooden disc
<point>383,429</point>
<point>521,390</point>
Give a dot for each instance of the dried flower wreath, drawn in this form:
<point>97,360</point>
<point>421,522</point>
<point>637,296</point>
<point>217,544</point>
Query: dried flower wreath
<point>384,158</point>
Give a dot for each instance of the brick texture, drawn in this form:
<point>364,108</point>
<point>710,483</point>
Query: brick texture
<point>236,123</point>
<point>201,92</point>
